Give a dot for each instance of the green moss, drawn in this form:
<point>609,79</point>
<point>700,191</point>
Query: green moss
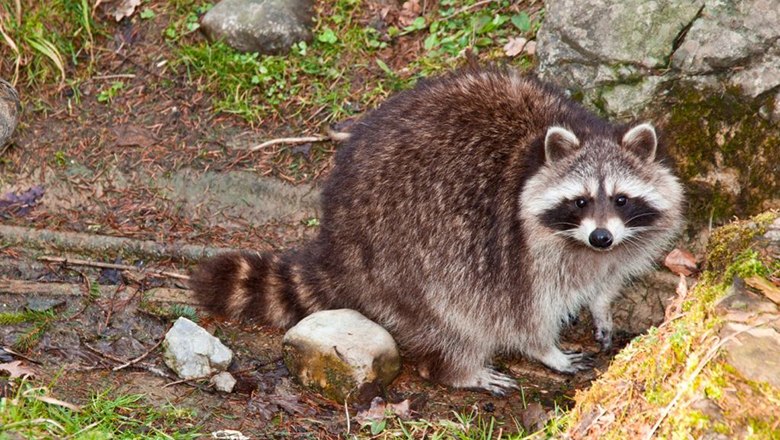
<point>713,132</point>
<point>728,242</point>
<point>326,375</point>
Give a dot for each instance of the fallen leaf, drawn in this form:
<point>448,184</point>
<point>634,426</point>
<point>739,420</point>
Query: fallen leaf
<point>17,369</point>
<point>409,12</point>
<point>229,434</point>
<point>682,287</point>
<point>379,410</point>
<point>534,417</point>
<point>530,48</point>
<point>131,135</point>
<point>765,286</point>
<point>125,8</point>
<point>681,262</point>
<point>515,46</point>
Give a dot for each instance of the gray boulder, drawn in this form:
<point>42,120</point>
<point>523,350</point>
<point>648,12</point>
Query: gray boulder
<point>264,26</point>
<point>192,352</point>
<point>619,54</point>
<point>341,354</point>
<point>706,71</point>
<point>10,110</point>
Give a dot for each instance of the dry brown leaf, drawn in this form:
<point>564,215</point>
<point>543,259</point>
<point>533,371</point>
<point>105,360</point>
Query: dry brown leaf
<point>514,46</point>
<point>17,369</point>
<point>530,48</point>
<point>125,8</point>
<point>380,409</point>
<point>410,10</point>
<point>765,286</point>
<point>130,135</point>
<point>681,262</point>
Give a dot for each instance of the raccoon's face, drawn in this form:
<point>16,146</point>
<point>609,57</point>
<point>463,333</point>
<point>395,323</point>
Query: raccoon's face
<point>603,193</point>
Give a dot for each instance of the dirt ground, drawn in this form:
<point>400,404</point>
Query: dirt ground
<point>124,170</point>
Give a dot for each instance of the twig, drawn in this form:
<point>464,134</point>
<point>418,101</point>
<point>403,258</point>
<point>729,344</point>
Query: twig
<point>100,264</point>
<point>116,76</point>
<point>19,355</point>
<point>104,355</point>
<point>469,7</point>
<point>187,381</point>
<point>103,244</point>
<point>139,358</point>
<point>295,140</point>
<point>707,358</point>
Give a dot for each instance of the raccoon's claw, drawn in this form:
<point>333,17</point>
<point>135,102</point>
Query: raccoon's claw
<point>580,361</point>
<point>604,337</point>
<point>496,383</point>
<point>568,362</point>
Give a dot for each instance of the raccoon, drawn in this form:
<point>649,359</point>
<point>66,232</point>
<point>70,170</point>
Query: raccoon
<point>470,216</point>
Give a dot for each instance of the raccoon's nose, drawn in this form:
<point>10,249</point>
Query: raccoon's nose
<point>600,238</point>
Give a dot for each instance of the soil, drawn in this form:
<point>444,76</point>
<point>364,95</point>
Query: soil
<point>139,167</point>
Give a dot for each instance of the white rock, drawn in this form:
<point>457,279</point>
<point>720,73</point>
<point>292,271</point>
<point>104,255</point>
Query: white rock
<point>223,382</point>
<point>341,354</point>
<point>192,352</point>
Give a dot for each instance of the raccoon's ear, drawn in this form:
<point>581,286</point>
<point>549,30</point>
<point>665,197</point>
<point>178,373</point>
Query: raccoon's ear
<point>559,142</point>
<point>642,141</point>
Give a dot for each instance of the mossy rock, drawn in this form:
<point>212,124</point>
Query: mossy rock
<point>726,154</point>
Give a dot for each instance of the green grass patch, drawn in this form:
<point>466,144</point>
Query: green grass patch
<point>45,41</point>
<point>101,417</point>
<point>347,66</point>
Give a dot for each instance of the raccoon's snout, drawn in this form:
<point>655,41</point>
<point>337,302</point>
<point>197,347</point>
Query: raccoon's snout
<point>600,238</point>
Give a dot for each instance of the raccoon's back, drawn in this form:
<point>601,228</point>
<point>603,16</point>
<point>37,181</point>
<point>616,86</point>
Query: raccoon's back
<point>431,178</point>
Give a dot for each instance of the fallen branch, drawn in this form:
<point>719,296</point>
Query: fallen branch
<point>100,264</point>
<point>333,135</point>
<point>157,295</point>
<point>104,244</point>
<point>295,140</point>
<point>142,356</point>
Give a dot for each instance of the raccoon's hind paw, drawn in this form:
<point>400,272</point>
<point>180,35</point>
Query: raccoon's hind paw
<point>490,380</point>
<point>567,362</point>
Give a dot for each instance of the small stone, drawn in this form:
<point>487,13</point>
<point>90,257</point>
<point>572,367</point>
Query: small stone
<point>341,354</point>
<point>223,382</point>
<point>264,26</point>
<point>192,352</point>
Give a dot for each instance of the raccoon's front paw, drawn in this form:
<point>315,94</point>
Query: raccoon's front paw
<point>603,336</point>
<point>568,362</point>
<point>490,380</point>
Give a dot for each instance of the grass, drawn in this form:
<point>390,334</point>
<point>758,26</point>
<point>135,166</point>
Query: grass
<point>347,67</point>
<point>47,41</point>
<point>28,413</point>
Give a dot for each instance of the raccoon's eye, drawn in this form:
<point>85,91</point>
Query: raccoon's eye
<point>621,200</point>
<point>580,203</point>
